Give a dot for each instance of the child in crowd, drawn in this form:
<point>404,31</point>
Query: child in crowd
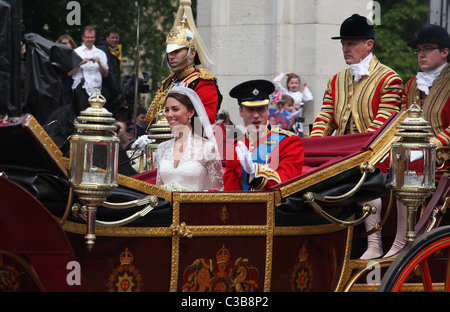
<point>286,105</point>
<point>293,83</point>
<point>293,88</point>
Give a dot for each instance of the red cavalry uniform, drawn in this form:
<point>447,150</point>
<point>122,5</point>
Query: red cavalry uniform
<point>200,80</point>
<point>436,110</point>
<point>285,161</point>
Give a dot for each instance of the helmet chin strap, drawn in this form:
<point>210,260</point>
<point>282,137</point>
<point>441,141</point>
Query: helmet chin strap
<point>184,60</point>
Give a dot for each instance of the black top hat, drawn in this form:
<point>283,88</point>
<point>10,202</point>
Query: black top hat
<point>356,27</point>
<point>431,34</point>
<point>253,92</point>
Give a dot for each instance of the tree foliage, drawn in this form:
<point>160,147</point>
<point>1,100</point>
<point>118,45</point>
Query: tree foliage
<point>400,22</point>
<point>48,18</point>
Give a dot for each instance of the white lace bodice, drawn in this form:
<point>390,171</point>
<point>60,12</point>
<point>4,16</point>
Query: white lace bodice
<point>199,169</point>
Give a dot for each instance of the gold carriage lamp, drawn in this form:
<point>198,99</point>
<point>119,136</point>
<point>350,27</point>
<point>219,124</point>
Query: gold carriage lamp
<point>93,144</point>
<point>413,165</point>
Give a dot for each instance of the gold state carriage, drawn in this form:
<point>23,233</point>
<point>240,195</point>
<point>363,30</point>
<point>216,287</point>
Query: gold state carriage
<point>276,240</point>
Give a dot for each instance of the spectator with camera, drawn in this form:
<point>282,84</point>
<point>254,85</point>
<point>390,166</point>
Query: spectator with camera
<point>88,75</point>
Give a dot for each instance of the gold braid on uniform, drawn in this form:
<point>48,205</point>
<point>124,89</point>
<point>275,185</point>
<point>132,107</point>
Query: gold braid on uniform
<point>161,95</point>
<point>158,101</point>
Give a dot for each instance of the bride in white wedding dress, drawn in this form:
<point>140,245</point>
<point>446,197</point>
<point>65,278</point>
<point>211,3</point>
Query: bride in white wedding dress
<point>189,161</point>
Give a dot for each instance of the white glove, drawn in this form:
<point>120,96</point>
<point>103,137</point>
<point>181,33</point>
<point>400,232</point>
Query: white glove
<point>141,142</point>
<point>245,158</point>
<point>415,155</point>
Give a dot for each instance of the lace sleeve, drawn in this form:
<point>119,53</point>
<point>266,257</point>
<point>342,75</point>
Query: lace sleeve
<point>160,152</point>
<point>213,165</point>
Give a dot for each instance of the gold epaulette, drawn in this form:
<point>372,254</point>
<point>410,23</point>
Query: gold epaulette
<point>160,96</point>
<point>205,74</point>
<point>282,131</point>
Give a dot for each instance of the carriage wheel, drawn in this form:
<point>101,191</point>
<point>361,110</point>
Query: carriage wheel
<point>424,266</point>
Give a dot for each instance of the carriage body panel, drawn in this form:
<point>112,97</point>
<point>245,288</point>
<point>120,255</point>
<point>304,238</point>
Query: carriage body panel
<point>192,241</point>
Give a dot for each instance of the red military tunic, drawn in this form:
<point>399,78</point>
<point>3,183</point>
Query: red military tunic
<point>351,107</point>
<point>436,110</point>
<point>200,80</point>
<point>285,162</point>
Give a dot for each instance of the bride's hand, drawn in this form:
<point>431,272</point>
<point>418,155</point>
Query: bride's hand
<point>245,158</point>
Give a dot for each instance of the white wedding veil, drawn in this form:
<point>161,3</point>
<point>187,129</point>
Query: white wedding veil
<point>204,120</point>
<point>199,108</point>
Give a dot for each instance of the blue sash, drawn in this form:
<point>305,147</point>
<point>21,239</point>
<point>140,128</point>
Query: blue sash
<point>261,155</point>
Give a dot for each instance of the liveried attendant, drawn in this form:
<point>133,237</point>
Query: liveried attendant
<point>360,99</point>
<point>264,156</point>
<point>430,88</point>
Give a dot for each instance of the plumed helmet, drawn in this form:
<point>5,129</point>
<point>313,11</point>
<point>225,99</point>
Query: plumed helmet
<point>184,33</point>
<point>179,37</point>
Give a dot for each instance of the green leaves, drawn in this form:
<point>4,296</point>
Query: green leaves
<point>400,22</point>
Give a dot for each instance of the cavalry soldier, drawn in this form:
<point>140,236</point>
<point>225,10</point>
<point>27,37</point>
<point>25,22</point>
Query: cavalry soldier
<point>264,156</point>
<point>184,52</point>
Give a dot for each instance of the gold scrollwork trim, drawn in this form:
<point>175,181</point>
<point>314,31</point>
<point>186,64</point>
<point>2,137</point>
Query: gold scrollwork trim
<point>222,197</point>
<point>325,174</point>
<point>130,231</point>
<point>307,229</point>
<point>229,230</point>
<point>46,142</point>
<point>205,230</point>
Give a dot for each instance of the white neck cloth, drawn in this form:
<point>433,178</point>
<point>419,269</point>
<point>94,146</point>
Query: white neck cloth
<point>362,68</point>
<point>425,79</point>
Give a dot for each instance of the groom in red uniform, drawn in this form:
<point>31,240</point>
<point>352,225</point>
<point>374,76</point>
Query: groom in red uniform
<point>264,156</point>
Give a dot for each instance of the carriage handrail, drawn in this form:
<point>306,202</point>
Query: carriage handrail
<point>80,211</point>
<point>151,199</point>
<point>365,168</point>
<point>366,209</point>
<point>311,197</point>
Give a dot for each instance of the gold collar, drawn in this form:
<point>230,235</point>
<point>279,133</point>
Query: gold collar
<point>185,72</point>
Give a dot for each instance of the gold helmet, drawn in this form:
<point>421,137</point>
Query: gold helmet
<point>184,35</point>
<point>179,37</point>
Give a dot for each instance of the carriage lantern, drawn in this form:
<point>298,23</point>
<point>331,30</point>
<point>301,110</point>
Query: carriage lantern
<point>91,145</point>
<point>413,161</point>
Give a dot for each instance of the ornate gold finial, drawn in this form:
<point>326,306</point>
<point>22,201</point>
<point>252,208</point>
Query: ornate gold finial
<point>97,100</point>
<point>126,257</point>
<point>183,20</point>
